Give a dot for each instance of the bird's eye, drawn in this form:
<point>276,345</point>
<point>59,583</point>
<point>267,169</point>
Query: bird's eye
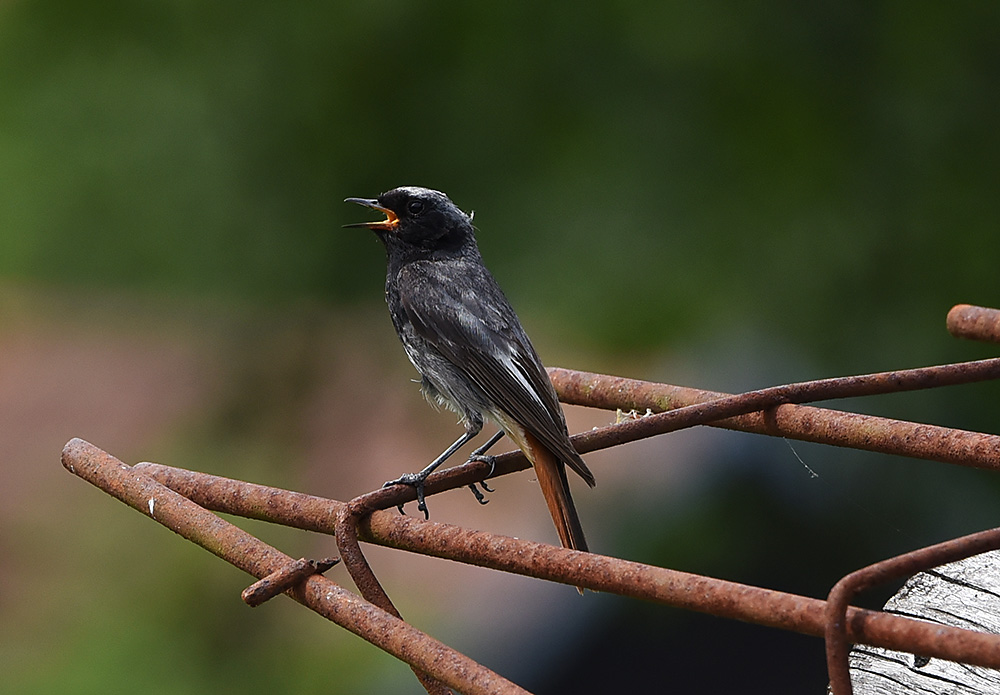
<point>415,207</point>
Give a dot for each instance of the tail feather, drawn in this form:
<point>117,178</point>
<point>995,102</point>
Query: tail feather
<point>551,474</point>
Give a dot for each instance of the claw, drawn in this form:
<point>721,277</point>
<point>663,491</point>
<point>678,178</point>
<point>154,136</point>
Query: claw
<point>482,458</point>
<point>421,503</point>
<point>479,496</point>
<point>416,481</point>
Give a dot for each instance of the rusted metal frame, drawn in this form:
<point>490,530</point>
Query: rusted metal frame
<point>720,407</point>
<point>700,412</point>
<point>837,616</point>
<point>774,411</point>
<point>964,321</point>
<point>197,524</point>
<point>349,516</point>
<point>974,323</point>
<point>600,573</point>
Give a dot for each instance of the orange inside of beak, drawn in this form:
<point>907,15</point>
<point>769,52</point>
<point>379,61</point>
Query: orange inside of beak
<point>389,223</point>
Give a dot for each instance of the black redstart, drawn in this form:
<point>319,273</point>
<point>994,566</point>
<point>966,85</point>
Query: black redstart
<point>460,332</point>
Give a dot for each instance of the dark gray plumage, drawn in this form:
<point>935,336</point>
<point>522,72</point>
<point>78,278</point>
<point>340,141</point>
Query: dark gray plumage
<point>461,334</point>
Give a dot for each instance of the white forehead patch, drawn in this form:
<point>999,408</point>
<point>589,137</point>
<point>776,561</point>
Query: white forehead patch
<point>418,192</point>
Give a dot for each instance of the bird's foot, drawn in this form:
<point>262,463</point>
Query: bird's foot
<point>416,481</point>
<point>483,458</point>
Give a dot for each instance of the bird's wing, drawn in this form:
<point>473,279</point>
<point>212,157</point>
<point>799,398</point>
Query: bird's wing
<point>459,309</point>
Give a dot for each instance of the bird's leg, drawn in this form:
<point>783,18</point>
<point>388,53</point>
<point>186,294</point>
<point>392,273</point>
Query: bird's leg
<point>416,480</point>
<point>480,455</point>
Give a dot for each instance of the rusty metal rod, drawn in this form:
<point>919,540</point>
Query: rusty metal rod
<point>974,323</point>
<point>249,500</point>
<point>677,407</point>
<point>255,557</point>
<point>688,407</point>
<point>906,565</point>
<point>774,411</point>
<point>679,589</point>
<point>346,535</point>
<point>283,579</point>
<point>685,407</point>
<point>766,411</point>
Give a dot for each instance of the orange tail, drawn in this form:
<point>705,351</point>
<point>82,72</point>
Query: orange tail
<point>551,474</point>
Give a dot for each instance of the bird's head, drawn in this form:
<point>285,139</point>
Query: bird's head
<point>417,217</point>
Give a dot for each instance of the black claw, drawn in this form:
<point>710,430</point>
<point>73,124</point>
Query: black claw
<point>421,503</point>
<point>479,496</point>
<point>390,483</point>
<point>416,481</point>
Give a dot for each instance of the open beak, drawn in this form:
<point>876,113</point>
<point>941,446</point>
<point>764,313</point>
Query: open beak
<point>388,224</point>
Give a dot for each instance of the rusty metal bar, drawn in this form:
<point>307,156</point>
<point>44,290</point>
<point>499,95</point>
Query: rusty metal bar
<point>255,557</point>
<point>680,589</point>
<point>685,407</point>
<point>767,411</point>
<point>249,500</point>
<point>283,579</point>
<point>346,534</point>
<point>600,573</point>
<point>677,407</point>
<point>974,323</point>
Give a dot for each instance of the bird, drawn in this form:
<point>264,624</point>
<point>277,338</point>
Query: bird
<point>461,334</point>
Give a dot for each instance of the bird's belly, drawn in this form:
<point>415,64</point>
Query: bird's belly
<point>443,383</point>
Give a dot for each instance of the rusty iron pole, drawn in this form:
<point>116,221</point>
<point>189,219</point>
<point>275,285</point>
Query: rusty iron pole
<point>600,573</point>
<point>974,323</point>
<point>771,411</point>
<point>678,407</point>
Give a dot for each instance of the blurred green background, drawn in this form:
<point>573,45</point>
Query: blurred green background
<point>718,194</point>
